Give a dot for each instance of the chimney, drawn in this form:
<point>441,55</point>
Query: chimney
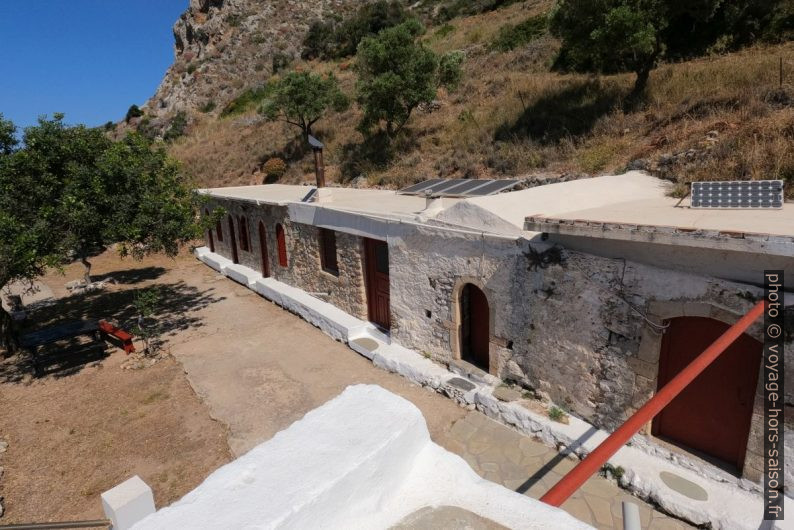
<point>319,166</point>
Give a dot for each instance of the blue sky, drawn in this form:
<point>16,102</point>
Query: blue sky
<point>90,59</point>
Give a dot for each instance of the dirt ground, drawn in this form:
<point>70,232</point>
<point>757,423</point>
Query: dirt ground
<point>79,431</point>
<point>237,370</point>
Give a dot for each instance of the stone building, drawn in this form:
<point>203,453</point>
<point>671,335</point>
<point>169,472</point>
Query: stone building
<point>591,293</point>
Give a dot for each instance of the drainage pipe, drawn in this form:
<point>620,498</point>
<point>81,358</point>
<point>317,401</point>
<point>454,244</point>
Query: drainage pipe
<point>99,523</point>
<point>571,482</point>
<point>631,516</point>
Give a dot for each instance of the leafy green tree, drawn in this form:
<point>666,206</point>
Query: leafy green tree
<point>610,36</point>
<point>301,98</point>
<point>146,304</point>
<point>334,39</point>
<point>8,139</point>
<point>133,112</point>
<point>396,74</point>
<point>70,191</point>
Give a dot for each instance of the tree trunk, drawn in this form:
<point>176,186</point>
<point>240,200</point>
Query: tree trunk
<point>87,265</point>
<point>641,82</point>
<point>8,333</point>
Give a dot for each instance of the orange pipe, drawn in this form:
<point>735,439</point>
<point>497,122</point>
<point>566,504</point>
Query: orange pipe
<point>598,457</point>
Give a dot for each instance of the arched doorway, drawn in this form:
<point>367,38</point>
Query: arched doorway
<point>712,415</point>
<point>474,326</point>
<point>232,240</point>
<point>210,239</point>
<point>263,250</point>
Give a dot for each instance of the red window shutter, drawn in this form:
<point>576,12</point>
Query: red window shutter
<point>282,245</point>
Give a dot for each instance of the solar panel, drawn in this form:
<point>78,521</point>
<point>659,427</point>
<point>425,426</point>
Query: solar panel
<point>459,187</point>
<point>416,188</point>
<point>494,186</point>
<point>755,194</point>
<point>442,187</point>
<point>464,187</point>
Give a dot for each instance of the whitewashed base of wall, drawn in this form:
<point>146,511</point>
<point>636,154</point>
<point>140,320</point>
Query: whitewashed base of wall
<point>728,506</point>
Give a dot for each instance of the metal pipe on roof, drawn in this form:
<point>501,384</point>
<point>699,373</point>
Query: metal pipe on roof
<point>319,165</point>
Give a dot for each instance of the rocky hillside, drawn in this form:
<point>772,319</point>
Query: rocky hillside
<point>722,116</point>
<point>224,46</point>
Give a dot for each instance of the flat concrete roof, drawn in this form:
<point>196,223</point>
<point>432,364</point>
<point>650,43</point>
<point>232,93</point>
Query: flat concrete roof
<point>386,203</point>
<point>604,205</point>
<point>641,200</point>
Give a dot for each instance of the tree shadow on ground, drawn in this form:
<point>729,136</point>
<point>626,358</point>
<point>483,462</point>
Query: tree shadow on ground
<point>131,276</point>
<point>176,311</point>
<point>569,111</point>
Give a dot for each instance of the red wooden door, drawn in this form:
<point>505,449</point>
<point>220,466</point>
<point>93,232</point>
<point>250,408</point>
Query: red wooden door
<point>377,267</point>
<point>263,250</point>
<point>232,241</point>
<point>475,326</point>
<point>713,414</point>
<point>281,243</point>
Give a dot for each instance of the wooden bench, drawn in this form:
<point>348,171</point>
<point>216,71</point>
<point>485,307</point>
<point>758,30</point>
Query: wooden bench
<point>125,338</point>
<point>35,340</point>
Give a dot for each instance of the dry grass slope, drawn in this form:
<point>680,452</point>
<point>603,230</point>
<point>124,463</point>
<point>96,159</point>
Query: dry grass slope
<point>721,117</point>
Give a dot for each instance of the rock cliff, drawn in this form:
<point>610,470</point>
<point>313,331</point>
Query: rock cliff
<point>224,46</point>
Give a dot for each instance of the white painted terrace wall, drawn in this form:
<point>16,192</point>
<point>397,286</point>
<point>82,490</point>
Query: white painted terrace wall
<point>362,460</point>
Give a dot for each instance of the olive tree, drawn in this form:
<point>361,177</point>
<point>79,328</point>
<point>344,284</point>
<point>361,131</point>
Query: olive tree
<point>70,191</point>
<point>302,98</point>
<point>397,73</point>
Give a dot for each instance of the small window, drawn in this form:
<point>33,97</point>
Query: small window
<point>328,258</point>
<point>282,245</point>
<point>242,223</point>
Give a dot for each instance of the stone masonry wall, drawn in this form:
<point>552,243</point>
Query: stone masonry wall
<point>580,332</point>
<point>303,269</point>
<point>573,331</point>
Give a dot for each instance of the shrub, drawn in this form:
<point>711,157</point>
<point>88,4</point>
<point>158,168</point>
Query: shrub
<point>280,61</point>
<point>209,106</point>
<point>558,415</point>
<point>445,30</point>
<point>233,20</point>
<point>274,169</point>
<point>457,8</point>
<point>449,69</point>
<point>616,472</point>
<point>247,100</point>
<point>335,40</point>
<point>133,112</point>
<point>513,36</point>
<point>177,127</point>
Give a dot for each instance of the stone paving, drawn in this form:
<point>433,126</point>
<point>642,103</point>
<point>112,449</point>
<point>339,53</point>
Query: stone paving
<point>504,456</point>
<point>260,368</point>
